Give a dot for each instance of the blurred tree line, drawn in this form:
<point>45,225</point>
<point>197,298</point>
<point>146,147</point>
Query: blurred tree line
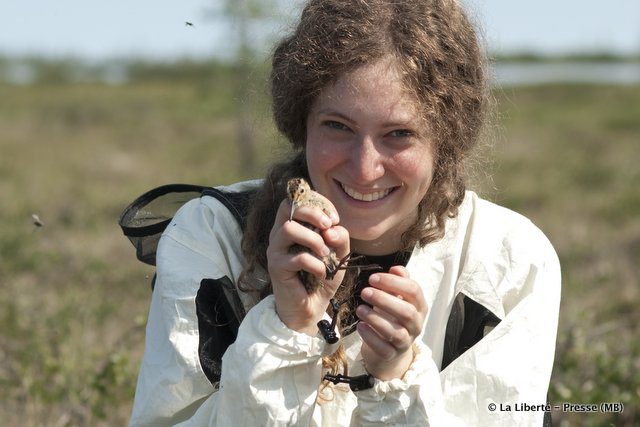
<point>33,70</point>
<point>62,71</point>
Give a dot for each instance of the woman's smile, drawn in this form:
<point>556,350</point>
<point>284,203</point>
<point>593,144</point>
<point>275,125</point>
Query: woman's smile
<point>368,196</point>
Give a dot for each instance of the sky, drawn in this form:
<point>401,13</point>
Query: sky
<point>156,29</point>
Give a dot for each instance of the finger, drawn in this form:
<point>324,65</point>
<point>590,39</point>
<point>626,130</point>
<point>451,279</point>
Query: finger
<point>304,261</point>
<point>287,278</point>
<point>337,237</point>
<point>294,233</point>
<point>309,214</point>
<point>294,237</point>
<point>314,218</point>
<point>327,207</point>
<point>399,286</point>
<point>386,327</point>
<point>399,270</point>
<point>396,309</point>
<point>378,344</point>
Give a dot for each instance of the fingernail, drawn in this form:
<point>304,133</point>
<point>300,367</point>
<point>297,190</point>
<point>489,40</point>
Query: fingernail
<point>335,218</point>
<point>326,251</point>
<point>331,234</point>
<point>366,293</point>
<point>362,310</point>
<point>375,278</point>
<point>325,221</point>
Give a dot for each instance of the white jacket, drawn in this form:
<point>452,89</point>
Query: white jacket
<point>271,375</point>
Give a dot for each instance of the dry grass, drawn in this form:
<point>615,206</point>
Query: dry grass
<point>568,161</point>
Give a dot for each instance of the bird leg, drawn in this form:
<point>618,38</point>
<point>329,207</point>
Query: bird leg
<point>345,263</point>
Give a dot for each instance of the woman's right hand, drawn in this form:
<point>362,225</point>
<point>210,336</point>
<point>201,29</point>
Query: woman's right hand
<point>296,308</point>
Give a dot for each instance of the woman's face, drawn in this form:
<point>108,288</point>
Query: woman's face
<point>369,153</point>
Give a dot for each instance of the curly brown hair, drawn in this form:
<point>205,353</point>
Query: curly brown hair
<point>437,51</point>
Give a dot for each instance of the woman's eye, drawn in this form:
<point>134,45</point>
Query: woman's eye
<point>401,133</point>
<point>331,124</point>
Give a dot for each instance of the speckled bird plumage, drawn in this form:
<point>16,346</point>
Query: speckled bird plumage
<point>300,194</point>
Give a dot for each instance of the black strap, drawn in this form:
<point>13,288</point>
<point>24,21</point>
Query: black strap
<point>361,382</point>
<point>237,203</point>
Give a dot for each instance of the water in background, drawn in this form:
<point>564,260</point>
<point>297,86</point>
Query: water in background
<point>530,73</point>
<point>507,73</point>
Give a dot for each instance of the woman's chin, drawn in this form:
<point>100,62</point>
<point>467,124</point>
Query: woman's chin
<point>371,241</point>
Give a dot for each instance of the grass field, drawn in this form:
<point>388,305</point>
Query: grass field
<point>73,299</point>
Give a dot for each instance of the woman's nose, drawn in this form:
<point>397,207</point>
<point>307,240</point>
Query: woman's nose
<point>366,161</point>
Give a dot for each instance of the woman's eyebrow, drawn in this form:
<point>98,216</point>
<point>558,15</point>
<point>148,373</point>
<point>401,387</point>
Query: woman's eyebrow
<point>332,112</point>
<point>401,121</point>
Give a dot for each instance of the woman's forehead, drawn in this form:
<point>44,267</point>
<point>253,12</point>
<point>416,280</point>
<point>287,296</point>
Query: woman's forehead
<point>377,87</point>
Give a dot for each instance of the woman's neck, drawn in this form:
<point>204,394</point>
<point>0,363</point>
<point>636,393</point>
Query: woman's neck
<point>384,245</point>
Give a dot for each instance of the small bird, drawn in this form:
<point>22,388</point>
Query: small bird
<point>188,24</point>
<point>36,220</point>
<point>300,194</point>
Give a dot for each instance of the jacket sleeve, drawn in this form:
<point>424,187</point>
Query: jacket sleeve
<point>270,375</point>
<point>510,366</point>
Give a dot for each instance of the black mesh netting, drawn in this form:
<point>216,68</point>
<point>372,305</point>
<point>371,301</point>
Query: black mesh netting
<point>144,220</point>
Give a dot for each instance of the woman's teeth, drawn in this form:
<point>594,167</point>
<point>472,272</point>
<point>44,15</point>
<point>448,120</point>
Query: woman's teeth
<point>369,197</point>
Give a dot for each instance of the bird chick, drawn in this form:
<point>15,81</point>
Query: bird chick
<point>300,194</point>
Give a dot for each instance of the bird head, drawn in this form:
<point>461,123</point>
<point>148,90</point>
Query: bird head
<point>297,190</point>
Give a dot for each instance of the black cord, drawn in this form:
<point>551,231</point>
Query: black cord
<point>360,382</point>
<point>328,330</point>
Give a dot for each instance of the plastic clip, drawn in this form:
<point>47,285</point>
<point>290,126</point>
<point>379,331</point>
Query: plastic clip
<point>361,382</point>
<point>328,330</point>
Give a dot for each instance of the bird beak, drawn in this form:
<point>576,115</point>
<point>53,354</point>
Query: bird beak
<point>293,208</point>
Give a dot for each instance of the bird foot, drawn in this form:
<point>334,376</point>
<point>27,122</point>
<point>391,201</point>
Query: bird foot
<point>345,263</point>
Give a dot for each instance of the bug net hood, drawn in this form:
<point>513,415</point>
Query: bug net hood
<point>144,220</point>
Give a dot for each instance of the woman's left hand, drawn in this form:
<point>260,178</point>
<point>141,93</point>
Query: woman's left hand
<point>389,329</point>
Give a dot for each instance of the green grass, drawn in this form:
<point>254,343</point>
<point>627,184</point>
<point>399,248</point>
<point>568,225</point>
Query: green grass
<point>73,300</point>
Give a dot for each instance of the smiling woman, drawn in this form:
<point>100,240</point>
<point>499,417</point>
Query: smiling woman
<point>382,102</point>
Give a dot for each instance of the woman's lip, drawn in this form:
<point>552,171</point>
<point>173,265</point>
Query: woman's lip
<point>372,196</point>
